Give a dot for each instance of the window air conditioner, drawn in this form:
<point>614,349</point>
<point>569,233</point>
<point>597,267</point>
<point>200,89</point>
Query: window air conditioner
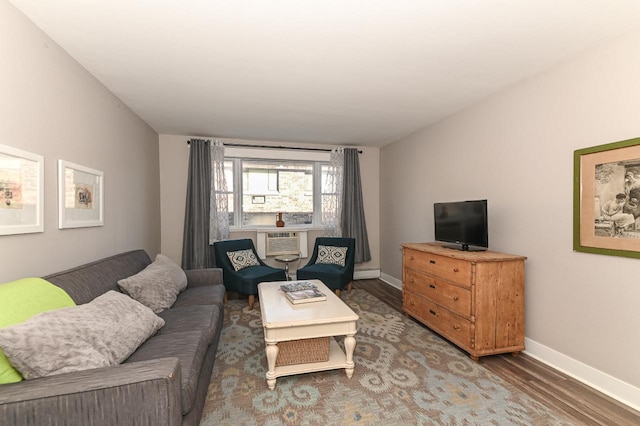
<point>282,243</point>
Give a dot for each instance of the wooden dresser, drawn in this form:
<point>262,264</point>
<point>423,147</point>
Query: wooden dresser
<point>473,299</point>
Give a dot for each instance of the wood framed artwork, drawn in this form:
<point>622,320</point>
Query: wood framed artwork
<point>80,196</point>
<point>21,191</point>
<point>606,199</point>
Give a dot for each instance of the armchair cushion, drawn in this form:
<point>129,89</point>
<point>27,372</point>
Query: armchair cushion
<point>241,259</point>
<point>331,255</point>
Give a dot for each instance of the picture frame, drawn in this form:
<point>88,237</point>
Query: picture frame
<point>606,199</point>
<point>80,196</point>
<point>21,191</point>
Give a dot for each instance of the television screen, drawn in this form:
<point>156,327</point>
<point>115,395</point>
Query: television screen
<point>462,222</point>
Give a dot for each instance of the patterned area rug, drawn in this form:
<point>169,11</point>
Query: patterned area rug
<point>404,375</point>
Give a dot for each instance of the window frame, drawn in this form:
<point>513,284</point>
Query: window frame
<point>238,189</point>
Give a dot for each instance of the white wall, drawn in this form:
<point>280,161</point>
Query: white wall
<point>50,105</point>
<point>174,164</point>
<point>516,149</point>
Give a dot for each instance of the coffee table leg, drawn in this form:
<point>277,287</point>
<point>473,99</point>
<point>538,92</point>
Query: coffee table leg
<point>349,346</point>
<point>272,354</point>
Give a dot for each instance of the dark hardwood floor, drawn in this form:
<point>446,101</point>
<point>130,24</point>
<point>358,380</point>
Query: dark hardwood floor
<point>582,404</point>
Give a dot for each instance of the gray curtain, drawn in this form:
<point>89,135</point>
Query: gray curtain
<point>195,247</point>
<point>353,222</point>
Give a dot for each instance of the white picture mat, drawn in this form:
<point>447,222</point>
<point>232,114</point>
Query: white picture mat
<point>21,191</point>
<point>80,196</point>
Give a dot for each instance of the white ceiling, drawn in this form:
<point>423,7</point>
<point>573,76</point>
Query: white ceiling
<point>351,72</point>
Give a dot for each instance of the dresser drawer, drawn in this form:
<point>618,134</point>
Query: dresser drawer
<point>452,326</point>
<point>454,270</point>
<point>449,296</point>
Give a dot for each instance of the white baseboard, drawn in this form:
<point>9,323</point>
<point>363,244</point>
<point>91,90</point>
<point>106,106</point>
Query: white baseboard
<point>602,382</point>
<point>391,281</point>
<point>367,274</point>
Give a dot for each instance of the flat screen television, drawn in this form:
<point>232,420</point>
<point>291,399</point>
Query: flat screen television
<point>463,223</point>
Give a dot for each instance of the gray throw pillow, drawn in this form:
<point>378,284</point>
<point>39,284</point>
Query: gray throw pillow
<point>242,258</point>
<point>101,333</point>
<point>157,286</point>
<point>332,255</point>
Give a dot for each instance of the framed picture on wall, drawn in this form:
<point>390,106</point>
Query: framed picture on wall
<point>21,191</point>
<point>606,199</point>
<point>80,196</point>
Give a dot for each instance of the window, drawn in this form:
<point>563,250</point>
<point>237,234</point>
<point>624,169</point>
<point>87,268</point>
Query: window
<point>261,188</point>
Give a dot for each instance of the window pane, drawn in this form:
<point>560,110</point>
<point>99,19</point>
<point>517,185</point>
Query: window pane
<point>323,182</point>
<point>226,196</point>
<point>231,209</point>
<point>271,186</point>
<point>228,176</point>
<point>330,197</point>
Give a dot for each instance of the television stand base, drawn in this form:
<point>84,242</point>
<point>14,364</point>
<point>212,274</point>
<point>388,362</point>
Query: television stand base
<point>464,247</point>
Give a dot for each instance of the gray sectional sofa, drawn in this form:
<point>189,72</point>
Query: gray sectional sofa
<point>164,382</point>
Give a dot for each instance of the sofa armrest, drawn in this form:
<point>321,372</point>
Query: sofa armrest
<point>146,392</point>
<point>201,277</point>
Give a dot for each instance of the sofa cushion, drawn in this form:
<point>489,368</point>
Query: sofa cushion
<point>205,295</point>
<point>19,301</point>
<point>331,255</point>
<point>188,318</point>
<point>189,347</point>
<point>241,259</point>
<point>101,333</point>
<point>157,285</point>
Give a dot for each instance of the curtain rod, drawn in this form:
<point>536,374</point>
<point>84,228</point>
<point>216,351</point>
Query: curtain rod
<point>276,147</point>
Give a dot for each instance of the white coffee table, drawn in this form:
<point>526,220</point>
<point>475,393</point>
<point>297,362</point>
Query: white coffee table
<point>283,321</point>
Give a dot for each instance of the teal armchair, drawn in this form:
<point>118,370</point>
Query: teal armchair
<point>320,266</point>
<point>246,279</point>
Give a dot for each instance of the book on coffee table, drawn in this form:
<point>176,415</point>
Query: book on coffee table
<point>305,296</point>
<point>297,286</point>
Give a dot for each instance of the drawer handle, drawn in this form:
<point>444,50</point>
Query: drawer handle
<point>432,286</point>
<point>412,280</point>
<point>433,262</point>
<point>456,270</point>
<point>456,327</point>
<point>411,258</point>
<point>432,312</point>
<point>456,298</point>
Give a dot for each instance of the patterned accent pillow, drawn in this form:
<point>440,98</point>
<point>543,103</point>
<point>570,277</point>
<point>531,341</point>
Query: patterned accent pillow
<point>331,255</point>
<point>101,333</point>
<point>242,258</point>
<point>157,286</point>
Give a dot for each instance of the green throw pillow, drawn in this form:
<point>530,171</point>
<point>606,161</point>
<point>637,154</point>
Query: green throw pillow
<point>19,301</point>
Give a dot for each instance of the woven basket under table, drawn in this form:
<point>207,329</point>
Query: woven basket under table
<point>303,351</point>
